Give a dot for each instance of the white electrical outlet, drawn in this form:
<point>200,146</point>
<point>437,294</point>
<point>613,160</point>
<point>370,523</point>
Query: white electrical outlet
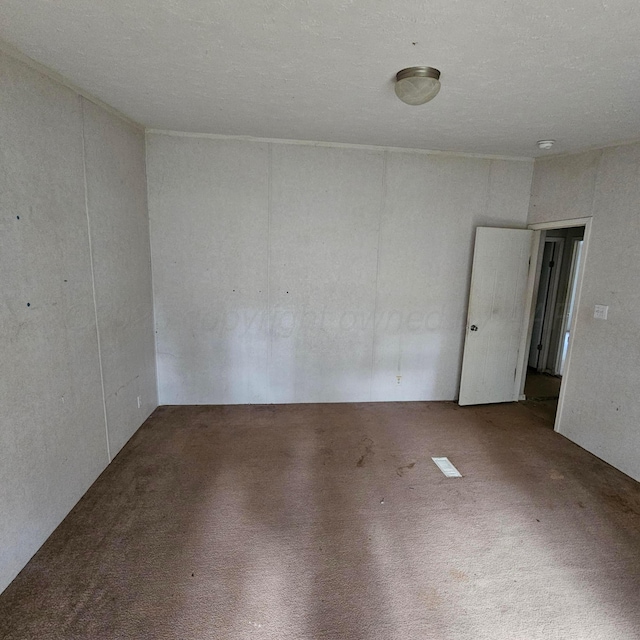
<point>601,311</point>
<point>139,402</point>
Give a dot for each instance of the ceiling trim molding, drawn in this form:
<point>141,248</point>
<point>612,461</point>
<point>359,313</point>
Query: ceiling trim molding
<point>339,145</point>
<point>15,53</point>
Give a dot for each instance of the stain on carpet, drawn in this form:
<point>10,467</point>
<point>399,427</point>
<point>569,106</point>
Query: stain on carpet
<point>406,467</point>
<point>368,452</point>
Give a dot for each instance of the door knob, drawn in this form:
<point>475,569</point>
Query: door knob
<point>473,327</point>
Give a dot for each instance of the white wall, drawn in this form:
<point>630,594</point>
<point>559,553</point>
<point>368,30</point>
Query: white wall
<point>303,273</point>
<point>601,409</point>
<point>53,432</point>
<point>119,224</point>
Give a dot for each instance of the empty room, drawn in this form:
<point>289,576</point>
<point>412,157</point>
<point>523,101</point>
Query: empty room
<point>320,320</point>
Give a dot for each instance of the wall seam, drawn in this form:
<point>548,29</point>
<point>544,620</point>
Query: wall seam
<point>487,203</point>
<point>151,261</point>
<point>530,203</point>
<point>596,180</point>
<point>93,278</point>
<point>269,207</point>
<point>383,207</point>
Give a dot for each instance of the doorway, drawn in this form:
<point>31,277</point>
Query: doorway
<point>505,286</point>
<point>558,275</point>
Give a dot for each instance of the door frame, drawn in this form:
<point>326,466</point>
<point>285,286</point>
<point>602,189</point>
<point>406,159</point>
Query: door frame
<point>569,301</point>
<point>532,293</point>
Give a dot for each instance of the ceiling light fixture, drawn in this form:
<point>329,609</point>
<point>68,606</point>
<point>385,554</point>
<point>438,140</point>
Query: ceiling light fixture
<point>417,85</point>
<point>545,144</point>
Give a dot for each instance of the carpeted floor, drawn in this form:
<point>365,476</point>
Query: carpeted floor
<point>542,391</point>
<point>332,522</point>
<point>542,386</point>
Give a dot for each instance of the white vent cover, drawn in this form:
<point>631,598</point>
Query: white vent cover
<point>444,464</point>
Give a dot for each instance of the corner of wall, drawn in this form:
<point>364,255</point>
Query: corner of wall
<point>153,292</point>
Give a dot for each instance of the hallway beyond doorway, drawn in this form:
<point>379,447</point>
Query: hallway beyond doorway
<point>542,391</point>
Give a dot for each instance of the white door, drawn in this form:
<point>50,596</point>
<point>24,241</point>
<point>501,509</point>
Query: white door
<point>496,315</point>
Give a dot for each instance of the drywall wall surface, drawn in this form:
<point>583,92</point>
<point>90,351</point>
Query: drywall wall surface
<point>52,439</point>
<point>601,411</point>
<point>325,217</point>
<point>209,205</point>
<point>432,207</point>
<point>75,295</point>
<point>119,228</point>
<point>302,273</point>
<point>563,187</point>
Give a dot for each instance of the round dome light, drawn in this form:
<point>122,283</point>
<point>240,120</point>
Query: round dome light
<point>417,85</point>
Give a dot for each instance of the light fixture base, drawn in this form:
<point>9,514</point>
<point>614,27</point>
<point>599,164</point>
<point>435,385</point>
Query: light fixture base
<point>545,144</point>
<point>418,72</point>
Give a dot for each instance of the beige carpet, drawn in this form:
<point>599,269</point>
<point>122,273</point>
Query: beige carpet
<point>332,522</point>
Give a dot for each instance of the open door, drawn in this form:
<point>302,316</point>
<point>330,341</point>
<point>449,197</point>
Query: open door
<point>495,321</point>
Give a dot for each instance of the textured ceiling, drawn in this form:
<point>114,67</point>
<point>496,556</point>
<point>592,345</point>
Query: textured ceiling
<point>512,72</point>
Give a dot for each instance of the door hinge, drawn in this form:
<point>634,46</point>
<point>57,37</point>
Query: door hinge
<point>552,264</point>
<point>539,347</point>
